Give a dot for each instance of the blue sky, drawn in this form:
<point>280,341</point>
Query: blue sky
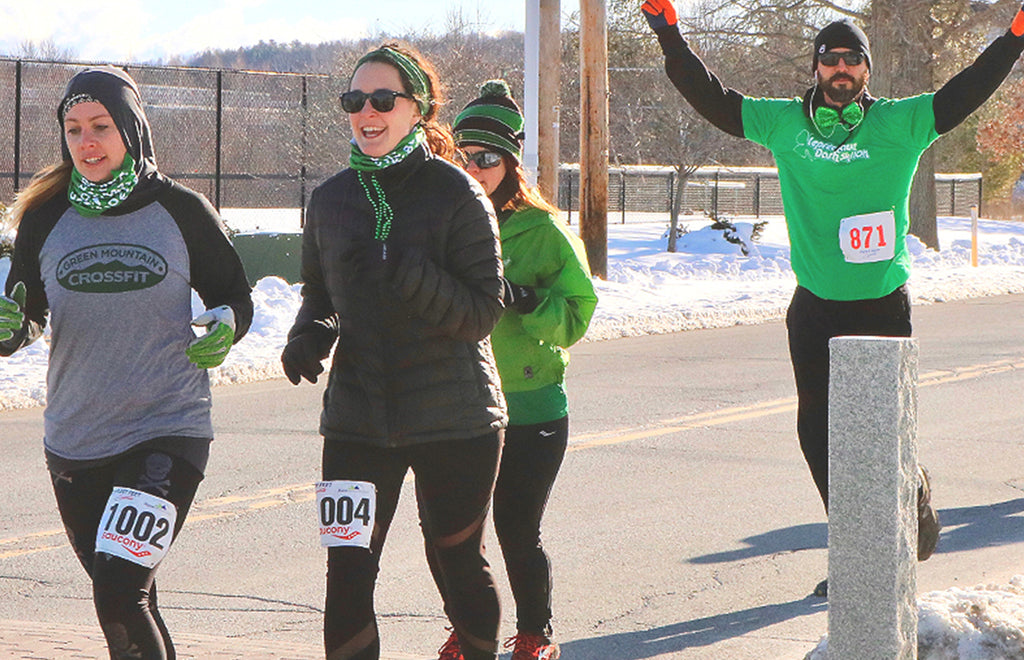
<point>142,30</point>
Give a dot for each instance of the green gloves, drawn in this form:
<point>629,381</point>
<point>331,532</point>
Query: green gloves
<point>209,350</point>
<point>11,316</point>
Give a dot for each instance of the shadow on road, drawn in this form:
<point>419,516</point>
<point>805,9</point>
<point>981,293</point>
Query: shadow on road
<point>789,539</point>
<point>963,529</point>
<point>985,526</point>
<point>689,634</point>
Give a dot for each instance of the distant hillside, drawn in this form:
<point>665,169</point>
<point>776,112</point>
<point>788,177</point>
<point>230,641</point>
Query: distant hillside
<point>463,60</point>
<point>295,57</point>
<point>299,57</point>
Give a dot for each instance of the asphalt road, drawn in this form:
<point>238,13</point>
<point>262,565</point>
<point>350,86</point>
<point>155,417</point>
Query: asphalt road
<point>684,523</point>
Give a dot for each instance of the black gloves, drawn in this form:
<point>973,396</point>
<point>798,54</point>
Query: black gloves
<point>302,356</point>
<point>519,297</point>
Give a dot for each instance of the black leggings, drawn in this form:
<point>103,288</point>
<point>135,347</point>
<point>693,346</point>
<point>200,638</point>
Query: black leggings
<point>529,464</point>
<point>454,483</point>
<point>124,593</point>
<point>811,322</point>
<point>530,460</point>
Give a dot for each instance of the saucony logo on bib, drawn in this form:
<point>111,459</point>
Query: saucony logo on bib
<point>111,268</point>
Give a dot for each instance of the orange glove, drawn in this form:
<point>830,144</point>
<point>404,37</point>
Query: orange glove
<point>659,13</point>
<point>1017,27</point>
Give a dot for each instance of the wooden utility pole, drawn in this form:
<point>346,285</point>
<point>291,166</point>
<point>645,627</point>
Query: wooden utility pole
<point>594,134</point>
<point>547,112</point>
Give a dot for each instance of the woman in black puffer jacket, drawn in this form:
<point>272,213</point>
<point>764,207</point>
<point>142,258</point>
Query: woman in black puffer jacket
<point>401,267</point>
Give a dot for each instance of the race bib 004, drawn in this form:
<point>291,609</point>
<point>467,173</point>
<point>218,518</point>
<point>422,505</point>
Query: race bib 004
<point>868,238</point>
<point>136,526</point>
<point>346,512</point>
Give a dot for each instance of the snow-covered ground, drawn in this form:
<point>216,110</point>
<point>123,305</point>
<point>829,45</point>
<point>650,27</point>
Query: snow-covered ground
<point>985,622</point>
<point>707,283</point>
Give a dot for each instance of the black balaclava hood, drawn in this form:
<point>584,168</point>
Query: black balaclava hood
<point>120,96</point>
<point>841,34</point>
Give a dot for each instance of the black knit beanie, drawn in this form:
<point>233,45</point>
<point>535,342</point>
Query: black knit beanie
<point>841,34</point>
<point>493,121</point>
<point>120,96</point>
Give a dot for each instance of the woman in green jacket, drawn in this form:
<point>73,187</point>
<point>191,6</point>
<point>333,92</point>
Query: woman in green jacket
<point>549,300</point>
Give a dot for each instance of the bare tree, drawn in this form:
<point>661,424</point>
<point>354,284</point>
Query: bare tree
<point>46,50</point>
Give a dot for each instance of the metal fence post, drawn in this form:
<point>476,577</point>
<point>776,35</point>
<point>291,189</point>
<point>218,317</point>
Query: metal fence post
<point>672,191</point>
<point>568,206</point>
<point>622,194</point>
<point>757,195</point>
<point>218,139</point>
<point>17,125</point>
<point>302,157</point>
<point>714,195</point>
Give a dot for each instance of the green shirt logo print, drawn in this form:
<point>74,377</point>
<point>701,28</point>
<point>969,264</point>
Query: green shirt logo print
<point>111,268</point>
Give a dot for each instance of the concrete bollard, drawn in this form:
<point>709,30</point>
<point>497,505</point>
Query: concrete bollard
<point>872,523</point>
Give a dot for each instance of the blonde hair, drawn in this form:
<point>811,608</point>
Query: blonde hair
<point>46,183</point>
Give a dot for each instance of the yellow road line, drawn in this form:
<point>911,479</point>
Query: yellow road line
<point>230,506</point>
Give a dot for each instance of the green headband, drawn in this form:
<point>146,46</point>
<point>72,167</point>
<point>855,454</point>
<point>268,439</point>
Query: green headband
<point>411,71</point>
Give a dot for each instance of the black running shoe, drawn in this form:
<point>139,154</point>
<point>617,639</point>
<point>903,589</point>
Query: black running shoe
<point>927,518</point>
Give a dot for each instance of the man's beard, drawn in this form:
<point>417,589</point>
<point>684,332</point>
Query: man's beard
<point>842,95</point>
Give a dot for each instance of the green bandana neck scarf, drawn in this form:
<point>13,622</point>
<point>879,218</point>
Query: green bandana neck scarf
<point>91,199</point>
<point>357,160</point>
<point>366,169</point>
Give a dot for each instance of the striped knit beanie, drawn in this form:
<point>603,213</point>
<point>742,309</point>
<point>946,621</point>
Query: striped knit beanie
<point>493,121</point>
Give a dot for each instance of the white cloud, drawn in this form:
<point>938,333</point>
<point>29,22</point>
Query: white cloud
<point>132,31</point>
<point>89,31</point>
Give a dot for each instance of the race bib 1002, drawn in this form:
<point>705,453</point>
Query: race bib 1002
<point>868,238</point>
<point>136,526</point>
<point>346,512</point>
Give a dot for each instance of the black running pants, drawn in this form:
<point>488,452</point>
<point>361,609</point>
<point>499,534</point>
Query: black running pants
<point>811,322</point>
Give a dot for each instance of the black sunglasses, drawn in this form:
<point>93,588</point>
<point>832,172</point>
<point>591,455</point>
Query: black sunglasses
<point>382,100</point>
<point>850,57</point>
<point>485,160</point>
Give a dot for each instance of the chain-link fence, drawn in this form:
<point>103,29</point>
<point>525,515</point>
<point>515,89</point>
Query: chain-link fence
<point>715,191</point>
<point>243,139</point>
<point>264,140</point>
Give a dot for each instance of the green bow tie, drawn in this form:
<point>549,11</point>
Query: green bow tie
<point>825,117</point>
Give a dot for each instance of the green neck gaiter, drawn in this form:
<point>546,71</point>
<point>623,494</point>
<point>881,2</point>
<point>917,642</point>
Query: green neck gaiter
<point>367,167</point>
<point>91,199</point>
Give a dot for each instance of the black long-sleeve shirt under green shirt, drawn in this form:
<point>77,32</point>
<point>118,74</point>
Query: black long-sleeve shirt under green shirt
<point>845,190</point>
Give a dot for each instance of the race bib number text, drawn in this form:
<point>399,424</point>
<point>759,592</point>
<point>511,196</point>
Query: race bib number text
<point>346,512</point>
<point>868,238</point>
<point>136,526</point>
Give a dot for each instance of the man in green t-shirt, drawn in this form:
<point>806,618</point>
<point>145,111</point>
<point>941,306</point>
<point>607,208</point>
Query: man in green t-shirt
<point>846,161</point>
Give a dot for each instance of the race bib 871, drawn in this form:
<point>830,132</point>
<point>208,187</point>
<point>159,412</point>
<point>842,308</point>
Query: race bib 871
<point>136,526</point>
<point>868,238</point>
<point>346,511</point>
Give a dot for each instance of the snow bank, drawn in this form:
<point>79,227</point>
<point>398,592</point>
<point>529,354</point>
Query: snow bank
<point>985,622</point>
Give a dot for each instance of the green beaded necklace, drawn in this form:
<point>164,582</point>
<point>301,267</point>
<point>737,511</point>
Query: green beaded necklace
<point>366,169</point>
